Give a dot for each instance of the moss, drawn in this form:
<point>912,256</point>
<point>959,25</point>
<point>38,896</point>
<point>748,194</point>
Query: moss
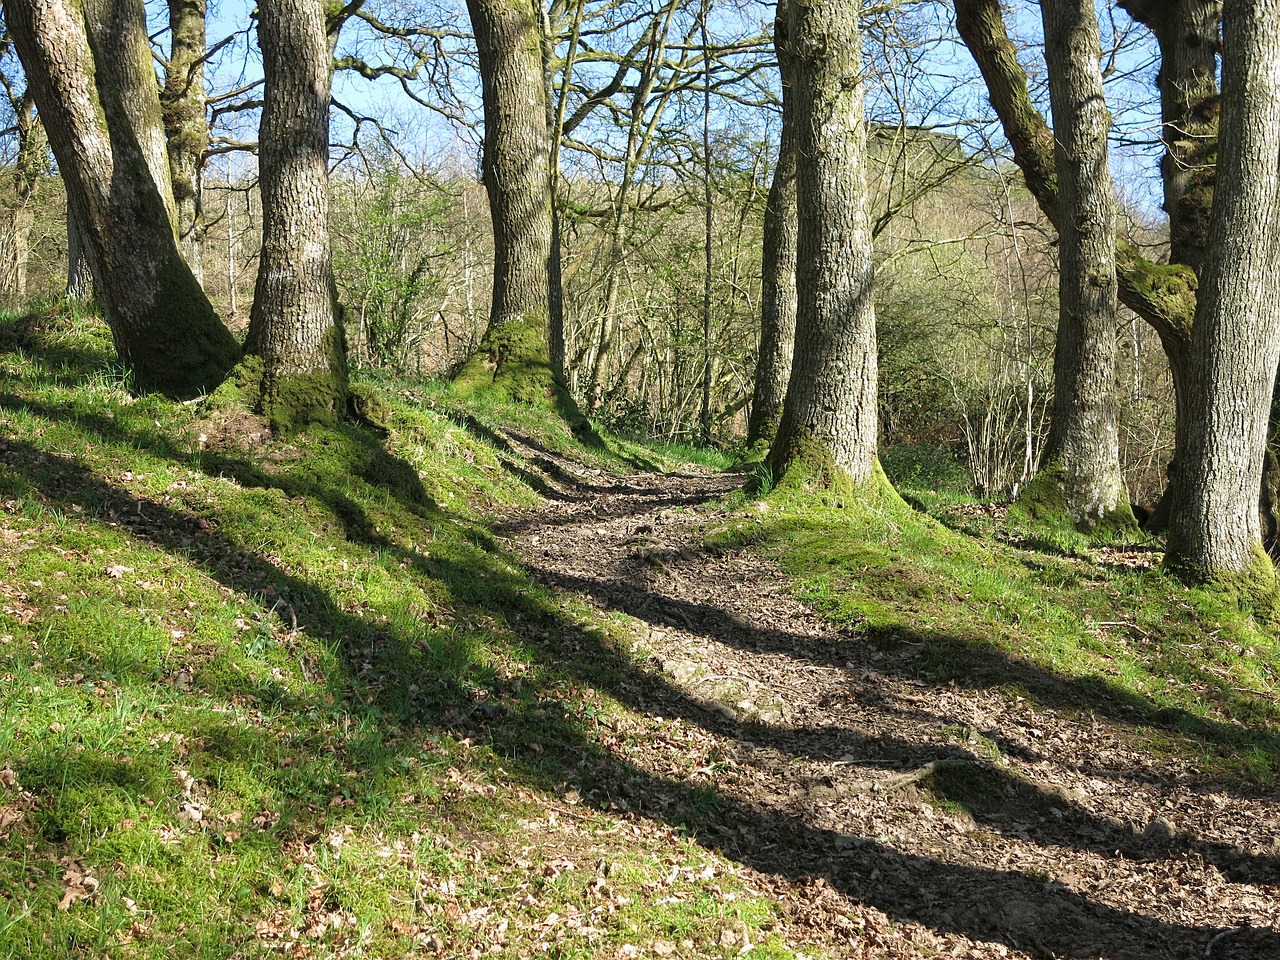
<point>368,405</point>
<point>513,363</point>
<point>179,347</point>
<point>1047,499</point>
<point>808,465</point>
<point>763,426</point>
<point>1254,587</point>
<point>1169,289</point>
<point>291,400</point>
<point>240,389</point>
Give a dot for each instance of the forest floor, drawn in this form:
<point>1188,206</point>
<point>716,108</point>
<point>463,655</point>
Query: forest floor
<point>916,816</point>
<point>444,680</point>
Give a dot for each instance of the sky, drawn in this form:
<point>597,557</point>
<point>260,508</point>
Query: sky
<point>930,81</point>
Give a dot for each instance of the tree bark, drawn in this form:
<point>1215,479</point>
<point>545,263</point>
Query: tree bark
<point>79,277</point>
<point>778,265</point>
<point>827,432</point>
<point>1187,34</point>
<point>1080,472</point>
<point>1214,532</point>
<point>182,100</point>
<point>294,328</point>
<point>89,66</point>
<point>515,353</point>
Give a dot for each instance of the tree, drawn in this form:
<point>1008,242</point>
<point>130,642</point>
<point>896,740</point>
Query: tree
<point>1214,533</point>
<point>778,267</point>
<point>89,66</point>
<point>516,353</point>
<point>1187,33</point>
<point>30,163</point>
<point>79,277</point>
<point>1080,468</point>
<point>182,100</point>
<point>295,328</point>
<point>827,432</point>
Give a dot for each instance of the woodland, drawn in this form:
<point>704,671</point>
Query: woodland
<point>615,479</point>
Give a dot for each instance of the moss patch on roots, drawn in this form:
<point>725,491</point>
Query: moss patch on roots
<point>289,401</point>
<point>808,467</point>
<point>1254,587</point>
<point>1047,499</point>
<point>513,363</point>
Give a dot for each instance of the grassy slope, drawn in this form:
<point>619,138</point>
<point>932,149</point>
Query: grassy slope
<point>298,700</point>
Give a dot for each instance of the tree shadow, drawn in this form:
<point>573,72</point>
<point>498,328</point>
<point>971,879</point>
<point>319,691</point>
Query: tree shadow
<point>547,750</point>
<point>384,682</point>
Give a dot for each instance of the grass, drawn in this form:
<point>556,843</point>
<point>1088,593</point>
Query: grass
<point>290,697</point>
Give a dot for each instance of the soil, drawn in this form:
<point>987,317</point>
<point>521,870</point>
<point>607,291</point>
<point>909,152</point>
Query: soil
<point>887,813</point>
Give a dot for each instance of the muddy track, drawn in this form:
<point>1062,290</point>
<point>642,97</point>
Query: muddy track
<point>904,816</point>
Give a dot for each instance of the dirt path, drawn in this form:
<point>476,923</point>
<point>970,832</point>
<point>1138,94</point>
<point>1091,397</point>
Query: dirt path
<point>911,818</point>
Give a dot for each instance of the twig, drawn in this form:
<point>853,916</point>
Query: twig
<point>915,776</point>
<point>1225,933</point>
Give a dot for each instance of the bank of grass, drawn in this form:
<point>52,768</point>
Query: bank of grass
<point>1090,629</point>
<point>267,697</point>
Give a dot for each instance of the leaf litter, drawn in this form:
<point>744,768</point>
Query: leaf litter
<point>887,813</point>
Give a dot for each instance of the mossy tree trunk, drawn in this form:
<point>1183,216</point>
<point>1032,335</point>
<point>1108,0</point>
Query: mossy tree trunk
<point>1187,34</point>
<point>827,432</point>
<point>1163,295</point>
<point>778,265</point>
<point>89,66</point>
<point>1214,531</point>
<point>1080,479</point>
<point>515,354</point>
<point>182,101</point>
<point>295,329</point>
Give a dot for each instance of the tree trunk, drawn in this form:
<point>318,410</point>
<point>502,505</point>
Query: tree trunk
<point>778,265</point>
<point>186,129</point>
<point>89,66</point>
<point>294,327</point>
<point>515,352</point>
<point>1079,480</point>
<point>827,433</point>
<point>1187,34</point>
<point>79,277</point>
<point>1214,532</point>
<point>1163,295</point>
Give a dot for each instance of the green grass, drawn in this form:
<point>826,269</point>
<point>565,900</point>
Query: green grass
<point>267,697</point>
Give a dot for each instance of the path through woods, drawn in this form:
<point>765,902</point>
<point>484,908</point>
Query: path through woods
<point>910,817</point>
